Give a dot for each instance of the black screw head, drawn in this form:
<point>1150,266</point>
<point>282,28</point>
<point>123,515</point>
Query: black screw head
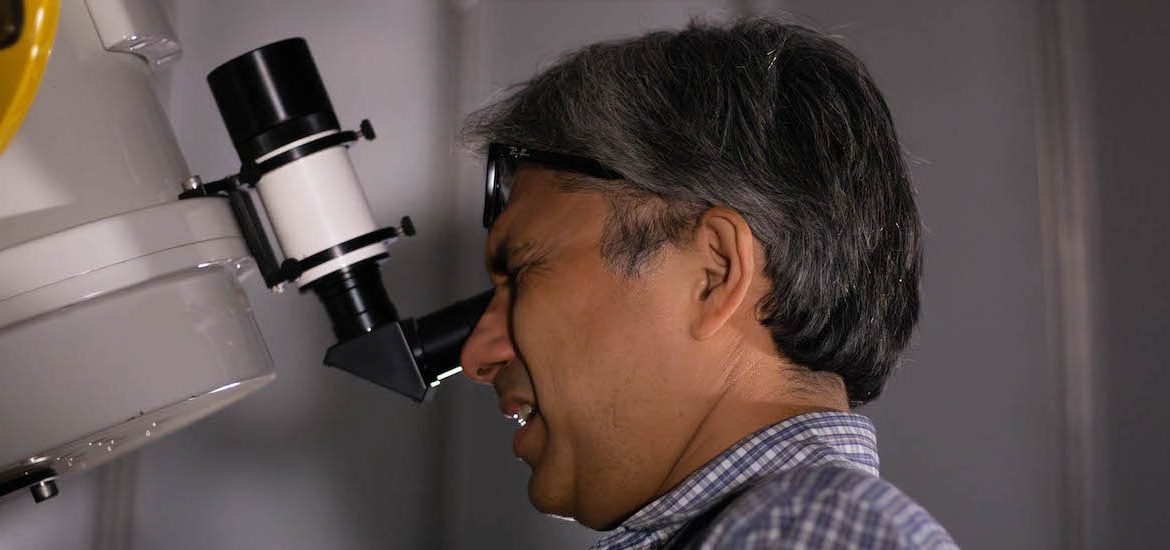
<point>367,129</point>
<point>44,490</point>
<point>407,226</point>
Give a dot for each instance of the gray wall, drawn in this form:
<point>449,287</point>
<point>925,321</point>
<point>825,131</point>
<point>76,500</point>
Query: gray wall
<point>970,427</point>
<point>68,521</point>
<point>1129,65</point>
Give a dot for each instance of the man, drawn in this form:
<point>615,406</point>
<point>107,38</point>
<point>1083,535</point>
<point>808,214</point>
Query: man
<point>705,250</point>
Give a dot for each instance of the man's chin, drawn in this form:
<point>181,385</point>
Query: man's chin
<point>546,501</point>
<point>561,506</point>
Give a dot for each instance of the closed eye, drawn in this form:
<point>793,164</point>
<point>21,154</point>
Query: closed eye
<point>517,275</point>
<point>514,262</point>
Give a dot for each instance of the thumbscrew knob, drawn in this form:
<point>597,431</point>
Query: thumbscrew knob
<point>367,129</point>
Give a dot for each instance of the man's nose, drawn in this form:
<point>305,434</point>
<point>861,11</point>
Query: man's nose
<point>489,347</point>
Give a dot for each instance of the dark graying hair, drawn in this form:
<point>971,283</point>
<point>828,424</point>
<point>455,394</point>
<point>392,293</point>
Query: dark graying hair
<point>776,121</point>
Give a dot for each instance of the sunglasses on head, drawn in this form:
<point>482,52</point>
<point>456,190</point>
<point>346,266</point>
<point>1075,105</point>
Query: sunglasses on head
<point>502,163</point>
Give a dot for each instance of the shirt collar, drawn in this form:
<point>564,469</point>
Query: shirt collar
<point>805,440</point>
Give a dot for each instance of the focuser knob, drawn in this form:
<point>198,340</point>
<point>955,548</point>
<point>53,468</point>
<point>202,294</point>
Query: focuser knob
<point>366,128</point>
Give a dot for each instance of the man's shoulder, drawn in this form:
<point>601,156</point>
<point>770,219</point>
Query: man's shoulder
<point>830,506</point>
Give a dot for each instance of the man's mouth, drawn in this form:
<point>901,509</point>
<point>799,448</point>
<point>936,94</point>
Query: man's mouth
<point>523,414</point>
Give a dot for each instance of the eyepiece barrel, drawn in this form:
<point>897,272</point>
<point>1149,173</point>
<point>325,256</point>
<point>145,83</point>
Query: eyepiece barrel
<point>355,299</point>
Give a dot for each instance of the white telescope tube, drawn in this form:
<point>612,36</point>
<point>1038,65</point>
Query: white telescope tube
<point>314,203</point>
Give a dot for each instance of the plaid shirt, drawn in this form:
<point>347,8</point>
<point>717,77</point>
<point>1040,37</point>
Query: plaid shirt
<point>810,481</point>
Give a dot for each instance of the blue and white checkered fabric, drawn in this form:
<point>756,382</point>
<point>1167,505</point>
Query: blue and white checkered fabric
<point>810,481</point>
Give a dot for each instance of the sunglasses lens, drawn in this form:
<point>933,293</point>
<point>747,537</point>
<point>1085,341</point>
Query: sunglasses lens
<point>500,175</point>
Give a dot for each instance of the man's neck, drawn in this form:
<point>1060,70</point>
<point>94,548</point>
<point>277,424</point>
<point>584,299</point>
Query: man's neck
<point>755,395</point>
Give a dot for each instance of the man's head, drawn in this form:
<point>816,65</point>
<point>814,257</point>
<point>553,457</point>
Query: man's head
<point>761,249</point>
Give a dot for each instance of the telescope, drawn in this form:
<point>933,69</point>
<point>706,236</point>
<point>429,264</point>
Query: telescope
<point>294,158</point>
<point>122,311</point>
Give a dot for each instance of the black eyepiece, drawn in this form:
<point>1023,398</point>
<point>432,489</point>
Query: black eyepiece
<point>270,97</point>
<point>410,356</point>
<point>439,336</point>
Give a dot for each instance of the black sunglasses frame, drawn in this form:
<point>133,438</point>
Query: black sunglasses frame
<point>503,158</point>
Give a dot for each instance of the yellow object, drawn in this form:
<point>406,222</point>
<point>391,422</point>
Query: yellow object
<point>23,63</point>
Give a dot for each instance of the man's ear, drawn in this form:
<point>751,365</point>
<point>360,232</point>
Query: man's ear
<point>725,247</point>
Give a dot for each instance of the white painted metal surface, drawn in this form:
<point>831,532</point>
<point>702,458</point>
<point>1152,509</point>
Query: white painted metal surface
<point>95,142</point>
<point>95,380</point>
<point>121,313</point>
<point>194,231</point>
<point>138,27</point>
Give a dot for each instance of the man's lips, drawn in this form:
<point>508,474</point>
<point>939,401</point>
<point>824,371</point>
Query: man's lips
<point>518,404</point>
<point>519,411</point>
<point>521,432</point>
